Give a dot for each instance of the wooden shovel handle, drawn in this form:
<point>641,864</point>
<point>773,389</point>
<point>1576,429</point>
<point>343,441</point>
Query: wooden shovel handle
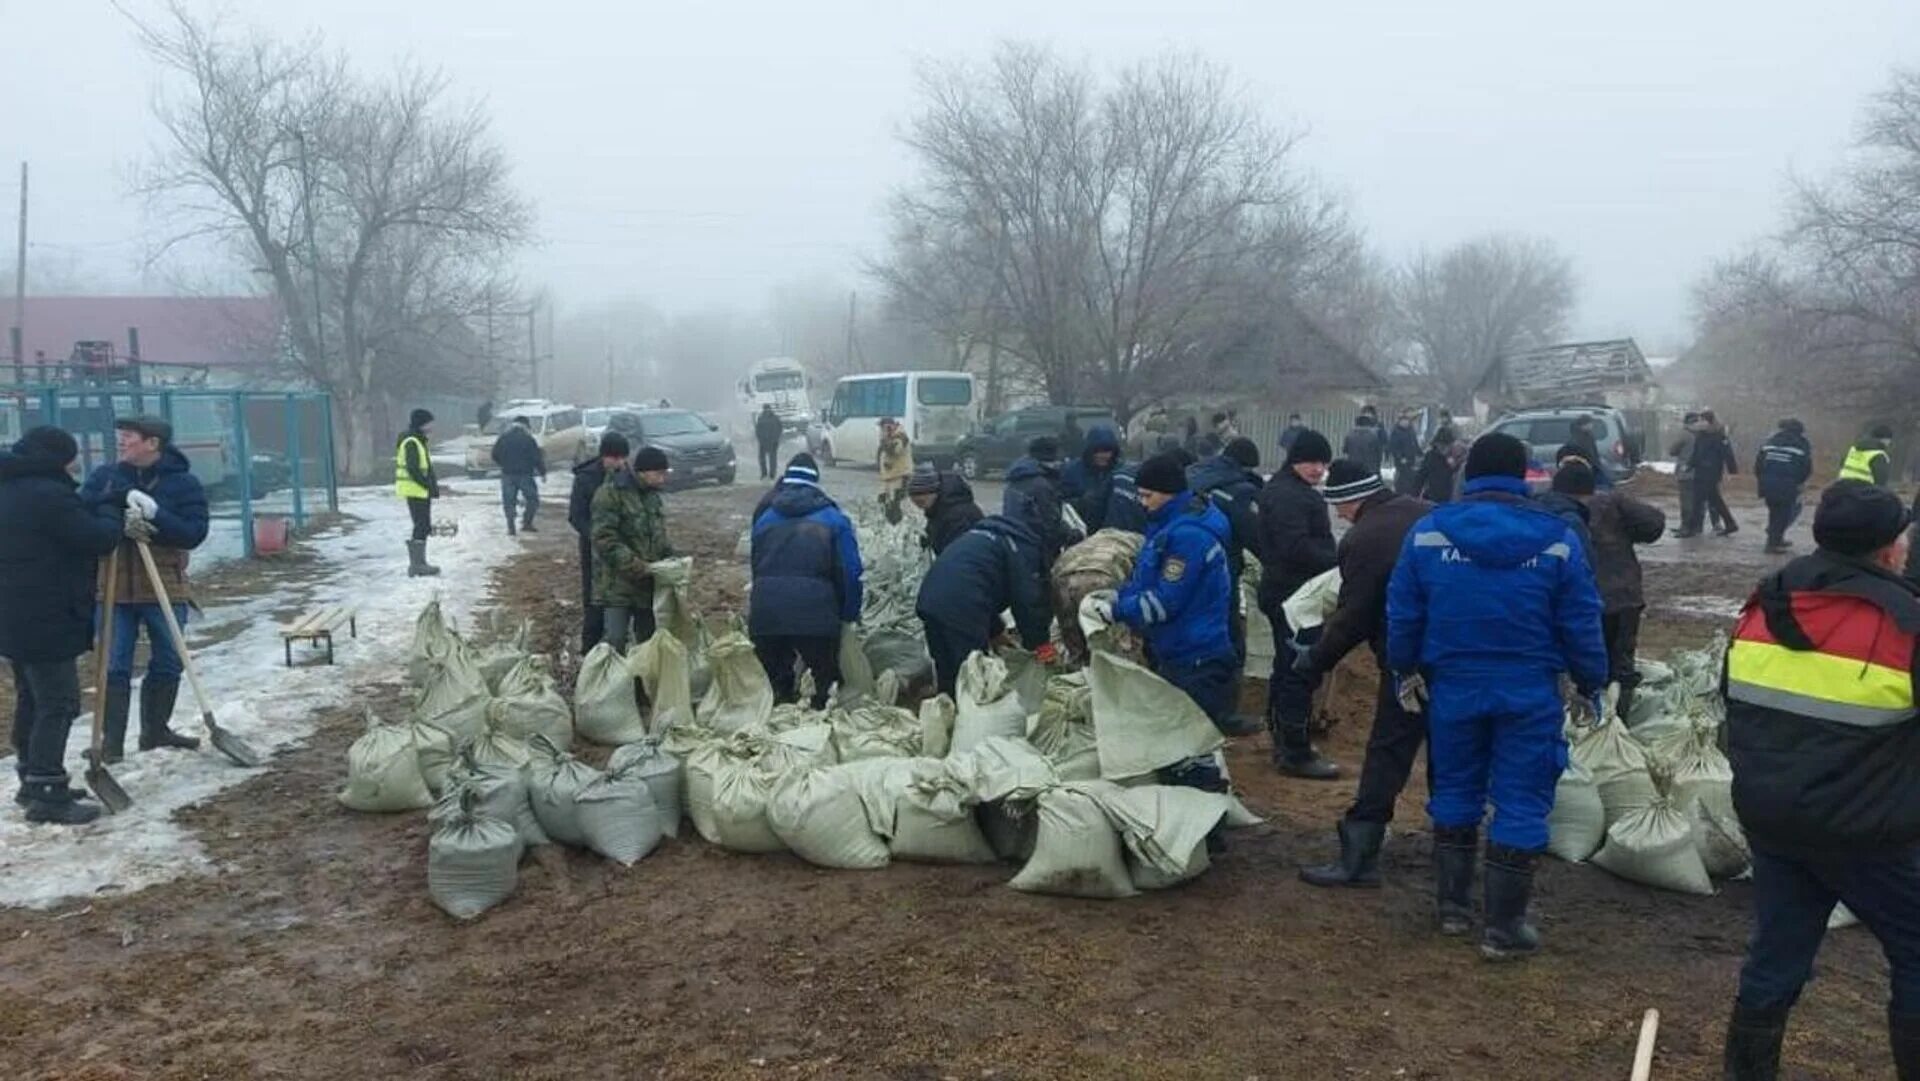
<point>173,627</point>
<point>109,595</point>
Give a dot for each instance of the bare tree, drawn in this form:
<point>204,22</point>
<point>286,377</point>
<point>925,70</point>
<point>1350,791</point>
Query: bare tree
<point>375,210</point>
<point>1466,307</point>
<point>1121,243</point>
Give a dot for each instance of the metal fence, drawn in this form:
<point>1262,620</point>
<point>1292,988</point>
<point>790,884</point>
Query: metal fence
<point>266,458</point>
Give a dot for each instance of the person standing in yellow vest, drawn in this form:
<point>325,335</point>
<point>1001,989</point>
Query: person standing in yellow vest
<point>413,481</point>
<point>1824,736</point>
<point>1868,459</point>
<point>896,465</point>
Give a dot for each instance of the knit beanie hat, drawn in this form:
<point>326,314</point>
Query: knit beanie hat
<point>1574,477</point>
<point>1349,482</point>
<point>651,460</point>
<point>1310,446</point>
<point>925,480</point>
<point>1043,448</point>
<point>1242,452</point>
<point>802,467</point>
<point>1857,519</point>
<point>612,443</point>
<point>1497,454</point>
<point>48,443</point>
<point>1162,473</point>
<point>419,418</point>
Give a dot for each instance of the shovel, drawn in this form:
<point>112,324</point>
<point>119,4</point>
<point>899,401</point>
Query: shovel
<point>223,741</point>
<point>112,796</point>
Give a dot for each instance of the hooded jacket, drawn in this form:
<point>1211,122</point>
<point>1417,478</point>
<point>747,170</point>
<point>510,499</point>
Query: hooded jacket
<point>1403,446</point>
<point>588,476</point>
<point>1088,487</point>
<point>1495,588</point>
<point>1124,509</point>
<point>1368,552</point>
<point>1232,488</point>
<point>1821,723</point>
<point>806,566</point>
<point>1783,464</point>
<point>180,524</point>
<point>518,453</point>
<point>1365,444</point>
<point>1616,524</point>
<point>952,513</point>
<point>1181,590</point>
<point>1033,496</point>
<point>990,568</point>
<point>1713,452</point>
<point>1296,537</point>
<point>49,542</point>
<point>629,531</point>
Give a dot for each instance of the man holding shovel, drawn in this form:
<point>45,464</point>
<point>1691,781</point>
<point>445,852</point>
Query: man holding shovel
<point>49,541</point>
<point>154,482</point>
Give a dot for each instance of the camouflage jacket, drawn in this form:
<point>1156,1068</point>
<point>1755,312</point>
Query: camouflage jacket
<point>629,531</point>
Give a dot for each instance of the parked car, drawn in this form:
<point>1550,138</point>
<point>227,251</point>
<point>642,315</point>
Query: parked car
<point>1547,429</point>
<point>996,444</point>
<point>560,430</point>
<point>696,449</point>
<point>597,418</point>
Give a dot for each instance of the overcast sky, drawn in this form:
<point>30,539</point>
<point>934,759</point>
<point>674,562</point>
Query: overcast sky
<point>697,153</point>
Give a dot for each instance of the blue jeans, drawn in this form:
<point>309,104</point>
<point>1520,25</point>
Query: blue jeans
<point>513,488</point>
<point>1792,898</point>
<point>163,664</point>
<point>1498,737</point>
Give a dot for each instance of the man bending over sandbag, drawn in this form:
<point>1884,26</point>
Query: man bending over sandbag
<point>992,567</point>
<point>806,582</point>
<point>1491,601</point>
<point>629,532</point>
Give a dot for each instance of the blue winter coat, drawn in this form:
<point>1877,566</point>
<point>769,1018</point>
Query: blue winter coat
<point>806,566</point>
<point>49,541</point>
<point>988,569</point>
<point>1087,487</point>
<point>1233,489</point>
<point>1494,587</point>
<point>182,518</point>
<point>1033,496</point>
<point>1181,590</point>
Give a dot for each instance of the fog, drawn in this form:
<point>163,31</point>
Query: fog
<point>699,156</point>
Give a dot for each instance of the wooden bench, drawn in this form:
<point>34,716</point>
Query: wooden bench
<point>318,626</point>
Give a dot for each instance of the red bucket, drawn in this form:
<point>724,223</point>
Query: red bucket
<point>270,535</point>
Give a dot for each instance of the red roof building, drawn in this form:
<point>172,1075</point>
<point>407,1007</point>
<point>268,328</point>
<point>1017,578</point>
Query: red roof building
<point>231,337</point>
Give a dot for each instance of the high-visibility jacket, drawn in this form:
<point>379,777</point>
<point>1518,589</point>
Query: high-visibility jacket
<point>1822,725</point>
<point>1859,463</point>
<point>404,485</point>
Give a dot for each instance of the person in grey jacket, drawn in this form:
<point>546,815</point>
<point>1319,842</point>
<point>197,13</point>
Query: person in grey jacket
<point>1616,523</point>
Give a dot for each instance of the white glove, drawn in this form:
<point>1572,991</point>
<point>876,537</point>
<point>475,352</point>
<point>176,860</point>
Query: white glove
<point>1102,610</point>
<point>1412,691</point>
<point>136,527</point>
<point>139,502</point>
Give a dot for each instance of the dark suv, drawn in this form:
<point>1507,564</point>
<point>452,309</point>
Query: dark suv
<point>1547,429</point>
<point>696,450</point>
<point>999,442</point>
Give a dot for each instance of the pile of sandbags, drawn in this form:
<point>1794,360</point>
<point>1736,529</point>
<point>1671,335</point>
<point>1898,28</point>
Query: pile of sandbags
<point>895,562</point>
<point>1103,561</point>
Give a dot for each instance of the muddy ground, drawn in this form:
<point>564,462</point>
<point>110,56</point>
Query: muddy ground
<point>316,953</point>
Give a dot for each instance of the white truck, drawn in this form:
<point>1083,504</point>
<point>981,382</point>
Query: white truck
<point>782,383</point>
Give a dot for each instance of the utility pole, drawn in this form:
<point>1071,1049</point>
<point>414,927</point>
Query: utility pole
<point>853,305</point>
<point>533,358</point>
<point>20,289</point>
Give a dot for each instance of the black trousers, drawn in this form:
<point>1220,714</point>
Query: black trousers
<point>421,511</point>
<point>593,618</point>
<point>769,461</point>
<point>1392,746</point>
<point>46,699</point>
<point>1781,511</point>
<point>1708,503</point>
<point>1622,632</point>
<point>949,649</point>
<point>1289,694</point>
<point>777,652</point>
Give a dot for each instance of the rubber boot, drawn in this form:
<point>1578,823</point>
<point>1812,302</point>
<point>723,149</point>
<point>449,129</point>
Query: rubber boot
<point>510,531</point>
<point>113,736</point>
<point>1359,864</point>
<point>417,565</point>
<point>1297,757</point>
<point>526,524</point>
<point>1904,1031</point>
<point>1454,852</point>
<point>1509,886</point>
<point>1753,1044</point>
<point>156,714</point>
<point>50,800</point>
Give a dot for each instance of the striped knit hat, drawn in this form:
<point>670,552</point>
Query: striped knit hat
<point>1349,482</point>
<point>801,467</point>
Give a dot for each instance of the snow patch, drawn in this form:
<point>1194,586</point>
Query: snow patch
<point>1710,607</point>
<point>270,706</point>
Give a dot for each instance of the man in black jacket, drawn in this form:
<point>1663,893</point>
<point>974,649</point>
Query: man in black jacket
<point>1403,447</point>
<point>992,567</point>
<point>947,501</point>
<point>766,433</point>
<point>1365,443</point>
<point>1296,544</point>
<point>1378,522</point>
<point>521,460</point>
<point>1782,467</point>
<point>1614,524</point>
<point>587,478</point>
<point>49,544</point>
<point>1712,461</point>
<point>1230,481</point>
<point>1823,733</point>
<point>1033,496</point>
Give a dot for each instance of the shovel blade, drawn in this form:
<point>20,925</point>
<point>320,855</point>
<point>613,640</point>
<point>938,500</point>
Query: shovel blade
<point>236,749</point>
<point>101,784</point>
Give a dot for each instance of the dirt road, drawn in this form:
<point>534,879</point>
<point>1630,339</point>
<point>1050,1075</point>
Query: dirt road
<point>316,953</point>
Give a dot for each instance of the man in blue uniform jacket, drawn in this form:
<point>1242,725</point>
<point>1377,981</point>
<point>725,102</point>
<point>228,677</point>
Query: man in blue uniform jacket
<point>806,582</point>
<point>1492,600</point>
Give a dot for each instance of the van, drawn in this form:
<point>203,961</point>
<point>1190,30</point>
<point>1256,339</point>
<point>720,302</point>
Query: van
<point>561,431</point>
<point>936,408</point>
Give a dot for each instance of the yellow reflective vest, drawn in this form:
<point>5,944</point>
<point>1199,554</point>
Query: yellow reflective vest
<point>404,485</point>
<point>1859,463</point>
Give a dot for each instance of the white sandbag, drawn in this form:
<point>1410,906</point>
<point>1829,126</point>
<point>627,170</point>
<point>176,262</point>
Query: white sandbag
<point>662,666</point>
<point>1577,825</point>
<point>1077,852</point>
<point>1011,828</point>
<point>383,770</point>
<point>1063,728</point>
<point>605,710</point>
<point>499,791</point>
<point>1260,644</point>
<point>822,816</point>
<point>618,818</point>
<point>1700,771</point>
<point>660,772</point>
<point>1164,828</point>
<point>986,704</point>
<point>453,696</point>
<point>495,661</point>
<point>1618,766</point>
<point>495,746</point>
<point>794,750</point>
<point>1315,600</point>
<point>740,697</point>
<point>887,687</point>
<point>473,862</point>
<point>936,726</point>
<point>856,671</point>
<point>1841,918</point>
<point>1141,722</point>
<point>555,780</point>
<point>933,820</point>
<point>1003,768</point>
<point>1654,845</point>
<point>790,715</point>
<point>739,809</point>
<point>1026,675</point>
<point>672,611</point>
<point>870,730</point>
<point>1722,844</point>
<point>529,705</point>
<point>433,640</point>
<point>434,747</point>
